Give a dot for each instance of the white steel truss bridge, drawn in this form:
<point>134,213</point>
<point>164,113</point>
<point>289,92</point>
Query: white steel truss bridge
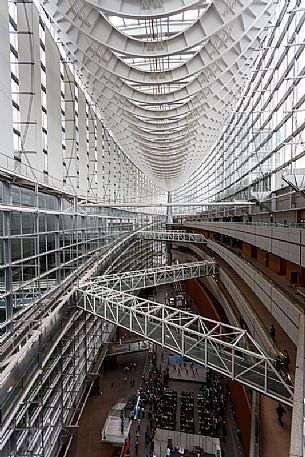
<point>181,237</point>
<point>134,280</point>
<point>226,349</point>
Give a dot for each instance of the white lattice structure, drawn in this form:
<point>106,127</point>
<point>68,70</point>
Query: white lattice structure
<point>133,280</point>
<point>181,237</point>
<point>165,84</point>
<point>229,350</point>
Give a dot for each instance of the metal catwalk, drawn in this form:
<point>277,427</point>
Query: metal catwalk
<point>218,346</point>
<point>181,237</point>
<point>134,280</point>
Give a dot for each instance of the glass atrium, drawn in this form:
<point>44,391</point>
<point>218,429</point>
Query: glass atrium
<point>145,144</point>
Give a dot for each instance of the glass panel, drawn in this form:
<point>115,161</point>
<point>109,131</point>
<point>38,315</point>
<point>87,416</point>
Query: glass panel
<point>15,192</point>
<point>16,250</point>
<point>15,223</point>
<point>27,197</point>
<point>28,223</point>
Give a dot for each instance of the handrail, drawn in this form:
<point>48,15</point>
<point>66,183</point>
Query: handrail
<point>175,236</point>
<point>290,298</point>
<point>300,225</point>
<point>134,280</point>
<point>198,251</point>
<point>221,347</point>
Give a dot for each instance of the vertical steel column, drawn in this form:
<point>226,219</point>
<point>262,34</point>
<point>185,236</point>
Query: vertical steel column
<point>37,244</point>
<point>57,243</point>
<point>75,232</point>
<point>7,255</point>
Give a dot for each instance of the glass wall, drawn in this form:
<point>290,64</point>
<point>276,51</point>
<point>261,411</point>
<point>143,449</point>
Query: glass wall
<point>265,136</point>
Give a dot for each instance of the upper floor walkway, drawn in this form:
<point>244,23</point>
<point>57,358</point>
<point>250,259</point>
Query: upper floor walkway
<point>283,240</point>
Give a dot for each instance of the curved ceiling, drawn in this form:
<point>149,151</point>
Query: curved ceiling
<point>164,73</point>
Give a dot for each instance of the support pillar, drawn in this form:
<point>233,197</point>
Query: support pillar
<point>297,425</point>
<point>169,218</point>
<point>169,221</point>
<point>7,256</point>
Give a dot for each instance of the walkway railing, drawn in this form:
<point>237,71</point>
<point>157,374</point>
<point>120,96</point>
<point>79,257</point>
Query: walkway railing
<point>133,280</point>
<point>181,237</point>
<point>229,350</point>
<point>128,347</point>
<point>195,224</point>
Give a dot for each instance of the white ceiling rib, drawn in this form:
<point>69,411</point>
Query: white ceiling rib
<point>145,9</point>
<point>165,74</point>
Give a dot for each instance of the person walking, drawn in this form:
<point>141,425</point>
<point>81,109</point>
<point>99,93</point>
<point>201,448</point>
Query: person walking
<point>146,437</point>
<point>272,332</point>
<point>286,361</point>
<point>278,363</point>
<point>280,412</point>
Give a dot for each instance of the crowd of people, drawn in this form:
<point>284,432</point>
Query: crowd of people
<point>160,401</point>
<point>211,406</point>
<point>187,412</point>
<point>185,369</point>
<point>157,407</point>
<point>166,410</point>
<point>157,403</point>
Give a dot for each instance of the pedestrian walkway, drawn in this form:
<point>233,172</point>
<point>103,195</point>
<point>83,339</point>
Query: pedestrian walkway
<point>126,347</point>
<point>275,440</point>
<point>280,280</point>
<point>281,340</point>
